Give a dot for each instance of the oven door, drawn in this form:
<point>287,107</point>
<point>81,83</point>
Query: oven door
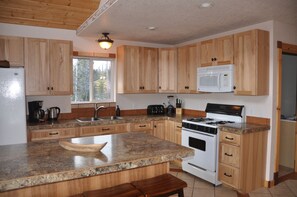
<point>204,145</point>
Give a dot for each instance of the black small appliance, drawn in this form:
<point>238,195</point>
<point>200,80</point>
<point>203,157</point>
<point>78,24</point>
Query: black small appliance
<point>155,110</point>
<point>36,114</point>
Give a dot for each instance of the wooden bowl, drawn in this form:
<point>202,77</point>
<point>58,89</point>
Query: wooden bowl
<point>81,147</point>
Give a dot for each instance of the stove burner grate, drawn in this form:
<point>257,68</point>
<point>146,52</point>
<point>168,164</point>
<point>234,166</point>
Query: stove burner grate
<point>200,119</point>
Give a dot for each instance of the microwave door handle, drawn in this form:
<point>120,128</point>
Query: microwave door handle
<point>219,81</point>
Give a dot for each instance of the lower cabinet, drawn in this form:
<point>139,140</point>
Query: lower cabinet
<point>141,127</point>
<point>47,134</point>
<point>178,132</point>
<point>242,160</point>
<point>103,129</point>
<point>159,129</point>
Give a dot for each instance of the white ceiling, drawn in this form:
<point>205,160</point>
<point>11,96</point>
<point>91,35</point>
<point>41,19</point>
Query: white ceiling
<point>179,21</point>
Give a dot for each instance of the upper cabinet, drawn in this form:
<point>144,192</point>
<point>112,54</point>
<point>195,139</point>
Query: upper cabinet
<point>168,70</point>
<point>12,50</point>
<point>217,51</point>
<point>251,58</point>
<point>137,69</point>
<point>48,66</point>
<point>187,63</point>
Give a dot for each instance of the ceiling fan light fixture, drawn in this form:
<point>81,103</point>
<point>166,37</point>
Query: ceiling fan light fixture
<point>105,42</point>
<point>206,5</point>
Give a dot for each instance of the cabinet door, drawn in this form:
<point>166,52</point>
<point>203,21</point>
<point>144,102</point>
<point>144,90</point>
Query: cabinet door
<point>251,62</point>
<point>148,70</point>
<point>187,69</point>
<point>170,131</point>
<point>60,53</point>
<point>168,70</point>
<point>224,50</point>
<point>37,66</point>
<point>12,50</point>
<point>178,132</point>
<point>207,53</point>
<point>159,129</point>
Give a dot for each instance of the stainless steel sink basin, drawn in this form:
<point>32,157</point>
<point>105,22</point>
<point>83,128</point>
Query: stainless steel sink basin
<point>88,119</point>
<point>99,119</point>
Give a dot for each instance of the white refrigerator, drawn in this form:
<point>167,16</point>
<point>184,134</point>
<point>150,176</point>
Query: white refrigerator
<point>12,106</point>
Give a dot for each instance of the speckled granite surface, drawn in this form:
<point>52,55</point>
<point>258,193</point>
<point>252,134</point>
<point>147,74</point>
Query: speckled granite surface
<point>106,120</point>
<point>242,128</point>
<point>44,162</point>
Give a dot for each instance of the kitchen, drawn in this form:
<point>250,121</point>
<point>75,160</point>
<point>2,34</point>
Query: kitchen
<point>256,106</point>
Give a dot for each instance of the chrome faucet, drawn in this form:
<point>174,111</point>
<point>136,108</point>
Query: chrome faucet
<point>96,109</point>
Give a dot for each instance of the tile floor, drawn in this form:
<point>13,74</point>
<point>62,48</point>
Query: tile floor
<point>198,187</point>
<point>287,188</point>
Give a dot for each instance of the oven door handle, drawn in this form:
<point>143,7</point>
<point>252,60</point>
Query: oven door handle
<point>198,132</point>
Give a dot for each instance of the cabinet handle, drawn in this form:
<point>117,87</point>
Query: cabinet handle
<point>229,155</point>
<point>155,126</point>
<point>179,127</point>
<point>143,87</point>
<point>214,59</point>
<point>227,175</point>
<point>186,87</point>
<point>48,88</point>
<point>54,133</point>
<point>52,88</point>
<point>142,125</point>
<point>229,138</point>
<point>105,129</point>
<point>234,87</point>
<point>159,87</point>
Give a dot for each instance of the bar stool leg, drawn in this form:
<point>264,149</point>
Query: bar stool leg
<point>181,193</point>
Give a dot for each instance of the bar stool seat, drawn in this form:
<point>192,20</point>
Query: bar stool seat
<point>123,190</point>
<point>161,186</point>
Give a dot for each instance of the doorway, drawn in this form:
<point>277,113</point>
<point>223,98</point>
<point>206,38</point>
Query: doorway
<point>286,154</point>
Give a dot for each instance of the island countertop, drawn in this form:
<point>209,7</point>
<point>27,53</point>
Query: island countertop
<point>38,163</point>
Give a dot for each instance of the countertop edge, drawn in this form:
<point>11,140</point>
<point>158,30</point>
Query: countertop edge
<point>88,172</point>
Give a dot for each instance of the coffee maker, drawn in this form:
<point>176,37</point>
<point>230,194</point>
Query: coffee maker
<point>36,114</point>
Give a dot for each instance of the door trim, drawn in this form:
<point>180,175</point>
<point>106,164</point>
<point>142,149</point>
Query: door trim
<point>287,49</point>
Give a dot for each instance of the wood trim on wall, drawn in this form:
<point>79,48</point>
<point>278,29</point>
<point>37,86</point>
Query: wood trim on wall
<point>93,54</point>
<point>257,120</point>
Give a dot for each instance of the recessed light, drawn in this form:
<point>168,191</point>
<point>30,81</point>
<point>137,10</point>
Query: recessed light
<point>152,28</point>
<point>206,5</point>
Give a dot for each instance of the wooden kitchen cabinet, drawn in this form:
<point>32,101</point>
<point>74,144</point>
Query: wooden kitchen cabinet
<point>178,132</point>
<point>170,131</point>
<point>168,70</point>
<point>142,127</point>
<point>58,133</point>
<point>217,51</point>
<point>97,130</point>
<point>159,127</point>
<point>187,63</point>
<point>48,67</point>
<point>242,160</point>
<point>251,58</point>
<point>137,69</point>
<point>12,50</point>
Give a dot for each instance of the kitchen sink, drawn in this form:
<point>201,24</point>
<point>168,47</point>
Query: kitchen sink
<point>88,119</point>
<point>99,119</point>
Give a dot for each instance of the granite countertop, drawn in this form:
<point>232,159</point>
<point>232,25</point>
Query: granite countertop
<point>243,128</point>
<point>36,163</point>
<point>104,121</point>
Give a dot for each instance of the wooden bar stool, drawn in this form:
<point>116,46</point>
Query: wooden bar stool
<point>123,190</point>
<point>161,186</point>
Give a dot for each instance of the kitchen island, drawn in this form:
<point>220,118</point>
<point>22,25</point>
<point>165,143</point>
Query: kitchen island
<point>46,169</point>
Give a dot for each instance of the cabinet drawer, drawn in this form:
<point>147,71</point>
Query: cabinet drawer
<point>229,175</point>
<point>46,134</point>
<point>229,154</point>
<point>122,128</point>
<point>97,130</point>
<point>141,126</point>
<point>230,138</point>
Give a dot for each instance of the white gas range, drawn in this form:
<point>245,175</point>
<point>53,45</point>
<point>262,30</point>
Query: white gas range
<point>202,135</point>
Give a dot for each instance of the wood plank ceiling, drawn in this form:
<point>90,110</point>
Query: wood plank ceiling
<point>64,14</point>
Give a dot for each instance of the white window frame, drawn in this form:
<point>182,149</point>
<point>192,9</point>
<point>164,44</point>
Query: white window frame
<point>112,83</point>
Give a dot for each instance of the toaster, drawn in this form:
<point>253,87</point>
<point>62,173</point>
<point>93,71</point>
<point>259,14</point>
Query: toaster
<point>155,110</point>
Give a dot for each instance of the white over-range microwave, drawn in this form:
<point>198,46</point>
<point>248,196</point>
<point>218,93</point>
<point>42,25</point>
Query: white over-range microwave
<point>215,78</point>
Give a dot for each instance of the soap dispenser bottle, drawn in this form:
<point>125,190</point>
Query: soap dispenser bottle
<point>118,111</point>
